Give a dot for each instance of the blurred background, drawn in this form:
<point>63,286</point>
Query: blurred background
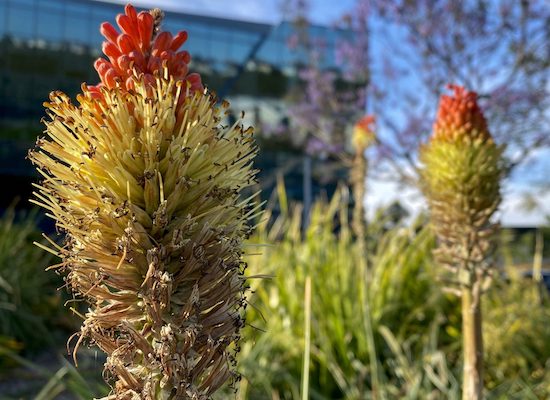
<point>49,45</point>
<point>302,73</point>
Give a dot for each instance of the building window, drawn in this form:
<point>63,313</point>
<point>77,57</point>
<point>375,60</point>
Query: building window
<point>19,22</point>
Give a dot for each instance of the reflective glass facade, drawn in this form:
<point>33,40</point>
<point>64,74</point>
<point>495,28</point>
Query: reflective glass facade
<point>50,45</point>
<point>47,44</point>
<point>215,40</point>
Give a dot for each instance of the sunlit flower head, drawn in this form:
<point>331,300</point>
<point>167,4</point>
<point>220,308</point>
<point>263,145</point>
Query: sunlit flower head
<point>459,116</point>
<point>146,185</point>
<point>363,132</point>
<point>139,49</point>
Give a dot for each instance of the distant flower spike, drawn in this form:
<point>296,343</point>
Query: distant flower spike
<point>139,50</point>
<point>363,132</point>
<point>363,137</point>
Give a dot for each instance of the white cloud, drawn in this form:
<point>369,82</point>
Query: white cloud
<point>512,212</point>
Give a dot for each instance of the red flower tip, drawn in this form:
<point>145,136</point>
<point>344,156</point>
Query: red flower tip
<point>363,132</point>
<point>134,49</point>
<point>366,123</point>
<point>459,116</point>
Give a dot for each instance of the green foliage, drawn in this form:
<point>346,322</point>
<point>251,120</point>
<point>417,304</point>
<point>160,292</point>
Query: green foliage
<point>51,379</point>
<point>389,333</point>
<point>28,296</point>
<point>517,334</point>
<point>349,304</point>
<point>31,318</point>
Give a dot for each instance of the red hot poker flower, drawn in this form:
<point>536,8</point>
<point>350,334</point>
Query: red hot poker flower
<point>138,49</point>
<point>363,132</point>
<point>459,116</point>
<point>366,123</point>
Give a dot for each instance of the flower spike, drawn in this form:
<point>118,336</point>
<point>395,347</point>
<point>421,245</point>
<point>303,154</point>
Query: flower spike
<point>461,175</point>
<point>146,185</point>
<point>363,132</point>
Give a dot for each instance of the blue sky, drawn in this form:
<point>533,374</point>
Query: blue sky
<point>322,11</point>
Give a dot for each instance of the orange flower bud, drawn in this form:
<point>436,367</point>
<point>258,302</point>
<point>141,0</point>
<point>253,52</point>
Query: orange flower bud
<point>137,51</point>
<point>363,132</point>
<point>459,116</point>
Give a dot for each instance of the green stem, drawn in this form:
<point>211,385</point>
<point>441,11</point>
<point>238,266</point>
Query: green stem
<point>307,339</point>
<point>472,385</point>
<point>358,181</point>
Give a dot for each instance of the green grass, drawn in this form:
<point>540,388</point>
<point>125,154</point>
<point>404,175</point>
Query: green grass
<point>382,332</point>
<point>28,297</point>
<point>321,324</point>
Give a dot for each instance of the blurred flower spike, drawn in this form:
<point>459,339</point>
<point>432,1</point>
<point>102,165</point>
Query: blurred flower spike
<point>141,50</point>
<point>459,116</point>
<point>461,175</point>
<point>461,178</point>
<point>146,184</point>
<point>363,132</point>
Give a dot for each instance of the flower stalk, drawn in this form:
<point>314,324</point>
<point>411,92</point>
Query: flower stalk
<point>145,183</point>
<point>363,137</point>
<point>461,174</point>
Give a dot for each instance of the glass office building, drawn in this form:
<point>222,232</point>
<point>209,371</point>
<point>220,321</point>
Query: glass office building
<point>51,44</point>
